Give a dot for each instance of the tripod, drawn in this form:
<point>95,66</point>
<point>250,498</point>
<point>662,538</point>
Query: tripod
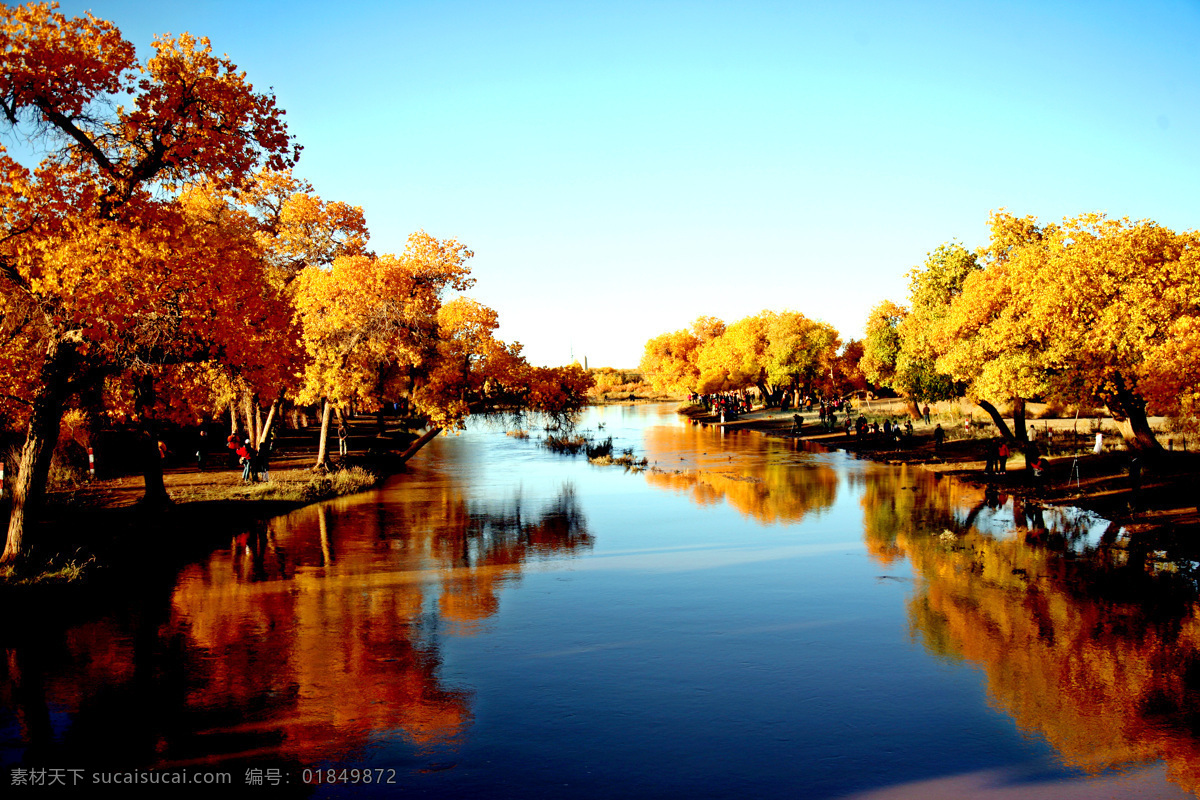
<point>1074,472</point>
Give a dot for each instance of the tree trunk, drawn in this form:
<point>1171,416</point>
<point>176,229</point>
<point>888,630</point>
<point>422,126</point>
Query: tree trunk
<point>233,422</point>
<point>1001,425</point>
<point>272,417</point>
<point>45,420</point>
<point>248,416</point>
<point>259,433</point>
<point>425,439</point>
<point>910,405</point>
<point>155,495</point>
<point>1019,431</point>
<point>323,443</point>
<point>1128,411</point>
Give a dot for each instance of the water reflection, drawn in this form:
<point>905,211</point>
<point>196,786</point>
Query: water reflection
<point>684,653</point>
<point>300,642</point>
<point>1089,641</point>
<point>766,479</point>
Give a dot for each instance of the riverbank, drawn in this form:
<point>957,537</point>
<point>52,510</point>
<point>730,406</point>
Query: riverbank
<point>1163,499</point>
<point>97,531</point>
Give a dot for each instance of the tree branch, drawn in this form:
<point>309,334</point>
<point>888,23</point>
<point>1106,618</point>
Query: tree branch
<point>64,124</point>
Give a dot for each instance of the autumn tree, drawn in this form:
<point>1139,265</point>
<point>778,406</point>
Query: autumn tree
<point>1091,310</point>
<point>736,359</point>
<point>884,362</point>
<point>903,342</point>
<point>800,353</point>
<point>365,314</point>
<point>769,351</point>
<point>669,360</point>
<point>931,289</point>
<point>90,267</point>
<point>1119,307</point>
<point>847,370</point>
<point>981,335</point>
<point>379,329</point>
<point>294,229</point>
<point>239,325</point>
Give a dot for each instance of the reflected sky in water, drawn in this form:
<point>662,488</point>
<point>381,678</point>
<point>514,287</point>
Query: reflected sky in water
<point>743,619</point>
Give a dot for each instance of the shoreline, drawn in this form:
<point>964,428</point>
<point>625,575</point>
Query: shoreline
<point>1166,501</point>
<point>101,524</point>
<point>95,533</point>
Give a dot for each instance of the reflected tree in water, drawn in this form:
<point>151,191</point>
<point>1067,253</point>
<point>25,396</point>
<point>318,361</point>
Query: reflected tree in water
<point>772,489</point>
<point>1095,647</point>
<point>324,626</point>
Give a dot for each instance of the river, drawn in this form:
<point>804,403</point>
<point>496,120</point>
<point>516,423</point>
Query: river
<point>743,619</point>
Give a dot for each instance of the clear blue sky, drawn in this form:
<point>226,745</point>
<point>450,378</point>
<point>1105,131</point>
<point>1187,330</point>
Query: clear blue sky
<point>620,168</point>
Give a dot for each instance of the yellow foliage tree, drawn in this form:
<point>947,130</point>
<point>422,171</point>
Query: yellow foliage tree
<point>737,359</point>
<point>669,360</point>
<point>1090,310</point>
<point>377,329</point>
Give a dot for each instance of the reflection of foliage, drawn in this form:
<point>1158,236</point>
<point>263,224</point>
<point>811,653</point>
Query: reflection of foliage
<point>902,501</point>
<point>313,629</point>
<point>1095,652</point>
<point>489,549</point>
<point>768,493</point>
<point>559,526</point>
<point>767,488</point>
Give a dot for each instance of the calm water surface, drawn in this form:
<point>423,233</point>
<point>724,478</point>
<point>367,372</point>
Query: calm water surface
<point>746,619</point>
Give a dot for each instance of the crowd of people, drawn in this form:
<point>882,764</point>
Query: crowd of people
<point>728,405</point>
<point>888,432</point>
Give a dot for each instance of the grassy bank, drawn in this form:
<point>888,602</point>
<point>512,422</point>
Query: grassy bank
<point>90,530</point>
<point>293,485</point>
<point>93,531</point>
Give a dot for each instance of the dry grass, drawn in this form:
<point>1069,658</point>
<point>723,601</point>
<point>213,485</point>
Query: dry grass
<point>52,574</point>
<point>625,459</point>
<point>565,443</point>
<point>296,485</point>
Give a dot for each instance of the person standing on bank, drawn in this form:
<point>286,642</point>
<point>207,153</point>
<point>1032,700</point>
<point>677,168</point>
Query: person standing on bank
<point>993,453</point>
<point>261,466</point>
<point>201,447</point>
<point>342,435</point>
<point>248,456</point>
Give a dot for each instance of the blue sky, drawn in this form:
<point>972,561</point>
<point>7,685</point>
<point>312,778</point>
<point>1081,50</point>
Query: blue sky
<point>621,168</point>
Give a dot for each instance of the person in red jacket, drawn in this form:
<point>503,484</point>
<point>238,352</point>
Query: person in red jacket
<point>247,455</point>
